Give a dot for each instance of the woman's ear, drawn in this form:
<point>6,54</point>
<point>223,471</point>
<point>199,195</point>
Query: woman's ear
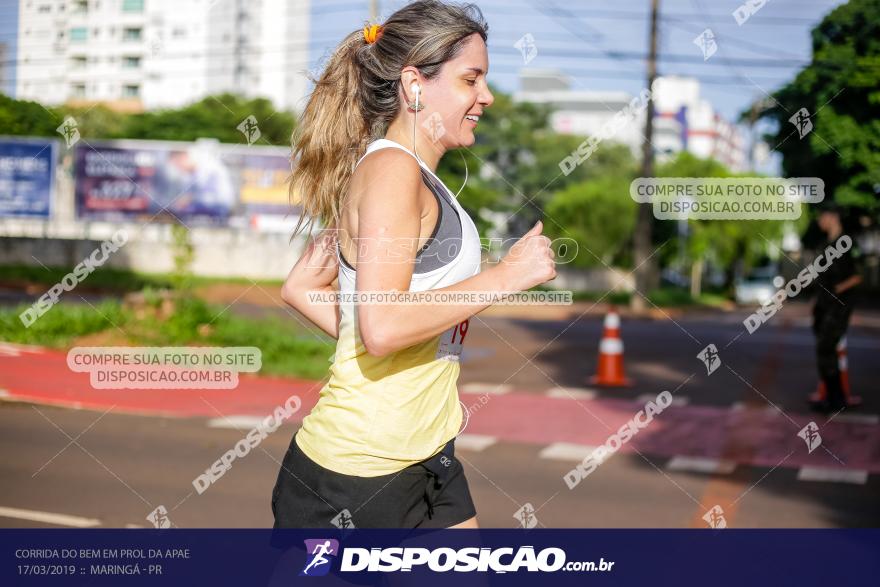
<point>410,82</point>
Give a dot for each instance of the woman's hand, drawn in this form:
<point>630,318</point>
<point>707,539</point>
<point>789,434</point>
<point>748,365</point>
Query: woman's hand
<point>315,271</point>
<point>318,266</point>
<point>529,262</point>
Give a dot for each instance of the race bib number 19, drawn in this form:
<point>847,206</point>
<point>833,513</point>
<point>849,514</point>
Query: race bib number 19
<point>451,341</point>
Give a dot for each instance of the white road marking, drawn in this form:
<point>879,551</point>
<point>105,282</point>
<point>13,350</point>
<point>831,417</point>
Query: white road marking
<point>488,388</point>
<point>49,518</point>
<point>677,400</point>
<point>566,451</point>
<point>858,418</point>
<point>767,410</point>
<point>237,422</point>
<point>571,393</point>
<point>700,465</point>
<point>474,442</point>
<point>832,475</point>
<point>9,349</point>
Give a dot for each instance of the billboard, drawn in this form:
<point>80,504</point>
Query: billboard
<point>27,176</point>
<point>204,179</point>
<point>261,177</point>
<point>149,179</point>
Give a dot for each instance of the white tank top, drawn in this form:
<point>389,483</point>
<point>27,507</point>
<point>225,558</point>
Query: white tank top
<point>465,264</point>
<point>379,415</point>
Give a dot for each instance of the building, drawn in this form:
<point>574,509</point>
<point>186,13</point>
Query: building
<point>686,122</point>
<point>145,54</point>
<point>5,69</point>
<point>8,35</point>
<point>683,120</point>
<point>581,112</point>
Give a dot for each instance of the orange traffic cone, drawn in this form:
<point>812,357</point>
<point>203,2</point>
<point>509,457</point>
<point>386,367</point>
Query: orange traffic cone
<point>610,372</point>
<point>843,364</point>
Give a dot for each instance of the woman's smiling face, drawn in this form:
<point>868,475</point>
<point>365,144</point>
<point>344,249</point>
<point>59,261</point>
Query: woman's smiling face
<point>455,98</point>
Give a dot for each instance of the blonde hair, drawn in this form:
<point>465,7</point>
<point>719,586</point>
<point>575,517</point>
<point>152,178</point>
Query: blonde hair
<point>357,97</point>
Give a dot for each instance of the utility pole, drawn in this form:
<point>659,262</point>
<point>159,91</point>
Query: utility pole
<point>758,108</point>
<point>374,10</point>
<point>644,265</point>
<point>753,118</point>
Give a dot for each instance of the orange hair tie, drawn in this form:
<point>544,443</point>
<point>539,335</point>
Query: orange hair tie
<point>372,33</point>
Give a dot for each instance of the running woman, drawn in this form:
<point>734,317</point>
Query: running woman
<point>378,448</point>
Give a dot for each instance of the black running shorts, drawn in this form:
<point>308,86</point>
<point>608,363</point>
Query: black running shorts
<point>431,494</point>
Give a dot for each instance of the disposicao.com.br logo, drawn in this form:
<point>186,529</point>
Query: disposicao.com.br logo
<point>443,559</point>
<point>319,556</point>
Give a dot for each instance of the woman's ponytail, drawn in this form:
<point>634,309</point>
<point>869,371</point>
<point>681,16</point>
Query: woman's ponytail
<point>330,137</point>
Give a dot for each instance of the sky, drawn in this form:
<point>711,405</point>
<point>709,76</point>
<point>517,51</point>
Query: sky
<point>602,45</point>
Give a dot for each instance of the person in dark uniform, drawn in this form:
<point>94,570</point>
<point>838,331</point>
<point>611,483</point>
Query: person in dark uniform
<point>834,305</point>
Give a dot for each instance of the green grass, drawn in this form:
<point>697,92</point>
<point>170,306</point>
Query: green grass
<point>284,351</point>
<point>60,325</point>
<point>102,278</point>
<point>665,297</point>
<point>670,297</point>
<point>620,298</point>
<point>113,280</point>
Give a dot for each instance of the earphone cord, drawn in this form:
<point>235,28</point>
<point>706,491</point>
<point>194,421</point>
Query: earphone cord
<point>416,153</point>
<point>463,158</point>
<point>415,123</point>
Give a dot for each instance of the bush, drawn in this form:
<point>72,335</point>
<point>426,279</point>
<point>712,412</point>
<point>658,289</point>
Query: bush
<point>193,322</point>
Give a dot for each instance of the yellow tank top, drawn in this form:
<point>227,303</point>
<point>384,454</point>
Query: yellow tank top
<point>378,415</point>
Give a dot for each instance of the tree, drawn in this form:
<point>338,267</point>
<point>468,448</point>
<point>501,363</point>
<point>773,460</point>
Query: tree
<point>213,117</point>
<point>841,91</point>
<point>592,204</point>
<point>96,121</point>
<point>25,118</point>
<point>732,244</point>
<point>598,214</point>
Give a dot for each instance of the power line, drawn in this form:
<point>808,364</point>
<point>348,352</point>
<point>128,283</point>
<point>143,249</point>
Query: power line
<point>511,69</point>
<point>566,52</point>
<point>748,45</point>
<point>694,59</point>
<point>568,19</point>
<point>556,14</point>
<point>223,50</point>
<point>764,20</point>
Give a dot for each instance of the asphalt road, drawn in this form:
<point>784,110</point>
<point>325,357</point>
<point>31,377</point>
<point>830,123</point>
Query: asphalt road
<point>731,440</point>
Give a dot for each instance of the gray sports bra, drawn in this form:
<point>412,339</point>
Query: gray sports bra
<point>445,241</point>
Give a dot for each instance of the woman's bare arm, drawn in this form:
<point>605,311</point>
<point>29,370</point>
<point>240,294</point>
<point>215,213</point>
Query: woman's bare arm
<point>388,234</point>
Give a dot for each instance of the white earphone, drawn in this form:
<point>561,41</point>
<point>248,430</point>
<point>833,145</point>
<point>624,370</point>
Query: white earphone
<point>415,88</point>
